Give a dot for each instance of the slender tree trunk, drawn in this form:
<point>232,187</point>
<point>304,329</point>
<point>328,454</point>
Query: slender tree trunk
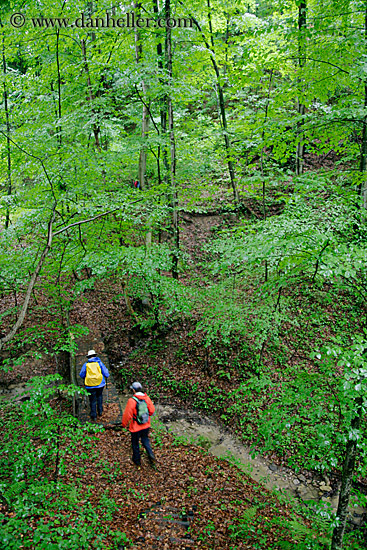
<point>96,129</point>
<point>176,230</point>
<point>50,236</point>
<point>162,64</point>
<point>363,159</point>
<point>162,102</point>
<point>163,117</point>
<point>144,134</point>
<point>7,121</point>
<point>221,105</point>
<point>128,303</point>
<point>164,135</point>
<point>225,68</point>
<point>347,476</point>
<point>142,166</point>
<point>31,284</point>
<point>262,137</point>
<point>302,23</point>
<point>210,50</point>
<point>58,87</point>
<point>262,165</point>
<point>172,172</point>
<point>59,112</point>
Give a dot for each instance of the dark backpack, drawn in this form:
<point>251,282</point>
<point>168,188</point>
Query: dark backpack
<point>142,412</point>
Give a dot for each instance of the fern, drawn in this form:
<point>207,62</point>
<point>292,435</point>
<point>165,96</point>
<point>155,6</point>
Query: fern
<point>249,514</point>
<point>304,537</point>
<point>14,491</point>
<point>299,531</point>
<point>241,529</point>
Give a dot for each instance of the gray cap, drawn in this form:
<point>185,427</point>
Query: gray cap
<point>136,386</point>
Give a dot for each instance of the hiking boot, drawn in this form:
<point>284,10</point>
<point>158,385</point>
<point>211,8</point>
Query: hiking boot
<point>152,459</point>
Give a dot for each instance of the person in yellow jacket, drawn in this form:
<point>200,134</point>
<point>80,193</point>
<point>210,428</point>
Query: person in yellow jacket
<point>132,419</point>
<point>94,374</point>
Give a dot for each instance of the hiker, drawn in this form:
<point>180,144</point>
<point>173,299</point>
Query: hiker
<point>94,373</point>
<point>136,416</point>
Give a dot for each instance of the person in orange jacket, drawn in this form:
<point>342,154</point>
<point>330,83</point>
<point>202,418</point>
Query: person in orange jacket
<point>138,431</point>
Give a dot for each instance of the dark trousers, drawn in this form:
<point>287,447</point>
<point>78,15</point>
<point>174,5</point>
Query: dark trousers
<point>95,401</point>
<point>143,436</point>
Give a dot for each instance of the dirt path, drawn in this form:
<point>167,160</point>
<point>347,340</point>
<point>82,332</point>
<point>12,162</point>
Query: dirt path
<point>209,434</point>
<point>112,413</point>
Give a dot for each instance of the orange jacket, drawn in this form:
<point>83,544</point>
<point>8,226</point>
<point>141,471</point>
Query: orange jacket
<point>130,410</point>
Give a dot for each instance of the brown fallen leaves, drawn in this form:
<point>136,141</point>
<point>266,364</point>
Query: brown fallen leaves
<point>189,500</point>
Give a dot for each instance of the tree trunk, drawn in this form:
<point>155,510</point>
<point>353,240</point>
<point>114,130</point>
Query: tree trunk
<point>172,172</point>
<point>143,151</point>
<point>162,103</point>
<point>31,284</point>
<point>363,159</point>
<point>96,129</point>
<point>176,230</point>
<point>58,88</point>
<point>220,96</point>
<point>302,22</point>
<point>221,105</point>
<point>59,113</point>
<point>347,476</point>
<point>7,121</point>
<point>50,236</point>
<point>142,166</point>
<point>128,303</point>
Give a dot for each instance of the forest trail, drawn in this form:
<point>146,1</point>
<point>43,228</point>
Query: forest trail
<point>112,413</point>
<point>193,427</point>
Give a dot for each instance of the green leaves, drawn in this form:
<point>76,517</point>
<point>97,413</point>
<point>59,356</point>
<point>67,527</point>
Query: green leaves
<point>38,448</point>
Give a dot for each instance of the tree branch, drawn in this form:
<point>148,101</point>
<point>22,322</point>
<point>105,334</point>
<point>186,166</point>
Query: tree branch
<point>83,221</point>
<point>31,284</point>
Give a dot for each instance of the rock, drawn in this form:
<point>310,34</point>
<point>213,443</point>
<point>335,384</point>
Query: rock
<point>168,414</point>
<point>325,488</point>
<point>302,491</point>
<point>357,522</point>
<point>273,467</point>
<point>302,478</point>
<point>296,481</point>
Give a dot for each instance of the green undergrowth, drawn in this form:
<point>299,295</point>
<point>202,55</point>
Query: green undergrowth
<point>210,399</point>
<point>288,390</point>
<point>306,528</point>
<point>45,503</point>
<point>42,507</point>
